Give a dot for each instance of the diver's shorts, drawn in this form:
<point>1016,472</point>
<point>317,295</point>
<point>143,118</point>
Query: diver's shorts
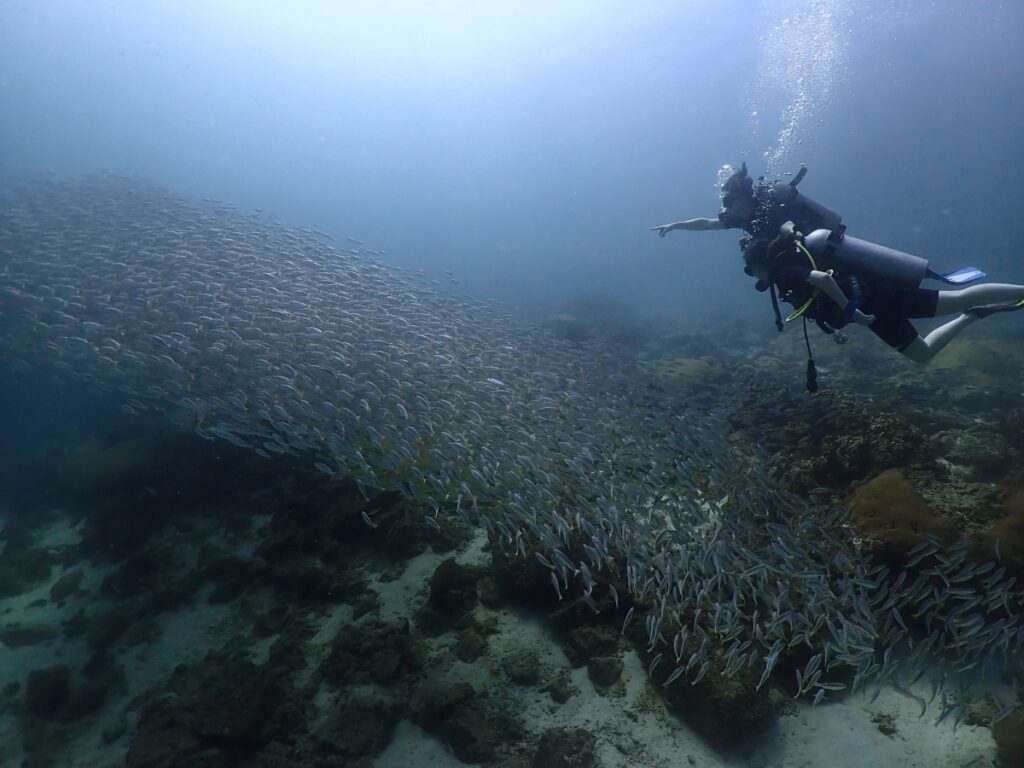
<point>893,308</point>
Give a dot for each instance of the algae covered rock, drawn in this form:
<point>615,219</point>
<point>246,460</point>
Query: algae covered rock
<point>604,671</point>
<point>1009,736</point>
<point>461,718</point>
<point>372,652</point>
<point>890,511</point>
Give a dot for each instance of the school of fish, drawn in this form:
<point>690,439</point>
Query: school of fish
<point>274,339</point>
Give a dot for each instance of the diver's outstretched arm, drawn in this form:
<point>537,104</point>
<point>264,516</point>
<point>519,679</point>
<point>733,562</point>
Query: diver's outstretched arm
<point>691,224</point>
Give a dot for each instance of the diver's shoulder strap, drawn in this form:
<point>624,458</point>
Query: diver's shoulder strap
<point>835,237</point>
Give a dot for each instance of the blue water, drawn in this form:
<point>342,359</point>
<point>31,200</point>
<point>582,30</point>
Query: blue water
<point>529,149</point>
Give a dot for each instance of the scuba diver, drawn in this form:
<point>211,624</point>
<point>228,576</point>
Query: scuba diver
<point>797,250</point>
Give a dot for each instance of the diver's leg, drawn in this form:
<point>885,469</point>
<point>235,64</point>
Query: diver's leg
<point>951,302</point>
<point>921,350</point>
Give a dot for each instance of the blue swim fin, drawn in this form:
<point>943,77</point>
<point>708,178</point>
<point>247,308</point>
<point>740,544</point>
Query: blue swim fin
<point>962,276</point>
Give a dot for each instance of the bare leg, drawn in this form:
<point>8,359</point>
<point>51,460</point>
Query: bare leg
<point>921,350</point>
<point>951,302</point>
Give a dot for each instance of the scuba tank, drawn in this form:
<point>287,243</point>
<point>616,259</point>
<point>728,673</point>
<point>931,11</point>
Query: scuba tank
<point>836,249</point>
<point>793,205</point>
<point>832,248</point>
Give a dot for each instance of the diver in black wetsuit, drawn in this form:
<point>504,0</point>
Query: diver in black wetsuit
<point>796,246</point>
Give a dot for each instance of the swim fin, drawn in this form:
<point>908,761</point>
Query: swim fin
<point>984,310</point>
<point>960,277</point>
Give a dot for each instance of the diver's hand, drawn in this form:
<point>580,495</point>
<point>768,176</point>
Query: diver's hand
<point>861,319</point>
<point>662,229</point>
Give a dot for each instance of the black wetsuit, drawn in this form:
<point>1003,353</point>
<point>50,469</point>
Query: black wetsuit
<point>893,306</point>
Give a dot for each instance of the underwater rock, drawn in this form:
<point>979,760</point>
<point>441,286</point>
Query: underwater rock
<point>235,703</point>
<point>1009,737</point>
<point>362,725</point>
<point>566,748</point>
<point>725,710</point>
<point>374,651</point>
<point>66,586</point>
<point>560,687</point>
<point>584,643</point>
<point>522,666</point>
<point>888,510</point>
<point>488,592</point>
<point>18,635</point>
<point>21,569</point>
<point>47,691</point>
<point>452,587</point>
<point>522,582</point>
<point>452,596</point>
<point>470,645</point>
<point>604,671</point>
<point>464,720</point>
<point>216,711</point>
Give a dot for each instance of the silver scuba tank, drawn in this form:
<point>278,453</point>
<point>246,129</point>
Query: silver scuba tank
<point>832,248</point>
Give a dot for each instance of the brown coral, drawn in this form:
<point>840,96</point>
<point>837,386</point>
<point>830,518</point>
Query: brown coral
<point>890,511</point>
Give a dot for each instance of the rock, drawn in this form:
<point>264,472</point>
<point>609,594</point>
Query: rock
<point>87,697</point>
<point>66,586</point>
<point>566,748</point>
<point>452,597</point>
<point>452,587</point>
<point>471,735</point>
<point>890,511</point>
<point>560,687</point>
<point>522,666</point>
<point>216,711</point>
<point>462,719</point>
<point>362,725</point>
<point>1009,736</point>
<point>26,634</point>
<point>604,671</point>
<point>573,613</point>
<point>584,643</point>
<point>470,645</point>
<point>47,691</point>
<point>373,651</point>
<point>22,569</point>
<point>490,594</point>
<point>724,710</point>
<point>234,704</point>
